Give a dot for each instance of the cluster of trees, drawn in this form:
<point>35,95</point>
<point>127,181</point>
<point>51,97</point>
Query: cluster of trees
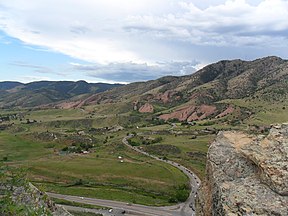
<point>152,141</point>
<point>181,195</point>
<point>139,140</point>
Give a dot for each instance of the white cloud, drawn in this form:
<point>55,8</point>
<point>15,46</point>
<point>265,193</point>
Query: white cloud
<point>28,79</point>
<point>227,24</point>
<point>129,37</point>
<point>87,30</point>
<point>40,69</point>
<point>129,71</point>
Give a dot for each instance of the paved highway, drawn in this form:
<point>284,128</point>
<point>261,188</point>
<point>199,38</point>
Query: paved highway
<point>187,208</point>
<point>182,209</point>
<point>129,208</point>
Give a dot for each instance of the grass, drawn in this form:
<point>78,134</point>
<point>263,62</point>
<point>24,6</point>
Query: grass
<point>101,174</point>
<point>193,151</point>
<point>139,179</point>
<point>56,114</point>
<point>266,113</point>
<point>108,194</point>
<point>77,118</point>
<point>75,213</point>
<point>186,143</point>
<point>106,177</point>
<point>72,203</point>
<point>156,127</point>
<point>97,170</point>
<point>17,148</point>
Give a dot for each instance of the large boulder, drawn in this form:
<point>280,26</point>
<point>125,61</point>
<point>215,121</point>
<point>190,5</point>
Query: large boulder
<point>246,174</point>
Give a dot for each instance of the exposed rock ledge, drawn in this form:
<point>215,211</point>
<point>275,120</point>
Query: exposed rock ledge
<point>35,201</point>
<point>246,175</point>
<point>146,108</point>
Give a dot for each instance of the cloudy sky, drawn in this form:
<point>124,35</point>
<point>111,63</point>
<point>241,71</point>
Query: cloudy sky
<point>133,40</point>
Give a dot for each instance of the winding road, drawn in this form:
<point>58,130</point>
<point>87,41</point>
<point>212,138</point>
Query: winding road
<point>182,209</point>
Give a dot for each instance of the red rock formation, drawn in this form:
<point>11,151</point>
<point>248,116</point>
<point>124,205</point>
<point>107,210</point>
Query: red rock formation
<point>190,113</point>
<point>181,114</point>
<point>166,96</point>
<point>146,108</point>
<point>68,105</point>
<point>206,111</point>
<point>229,110</point>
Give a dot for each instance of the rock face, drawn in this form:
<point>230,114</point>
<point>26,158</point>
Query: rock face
<point>246,175</point>
<point>166,97</point>
<point>20,197</point>
<point>190,113</point>
<point>146,108</point>
<point>31,196</point>
<point>229,110</point>
<point>263,78</point>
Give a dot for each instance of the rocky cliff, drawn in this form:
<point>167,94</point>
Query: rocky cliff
<point>19,197</point>
<point>246,174</point>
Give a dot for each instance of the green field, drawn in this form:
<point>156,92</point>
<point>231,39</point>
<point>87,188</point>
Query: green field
<point>44,147</point>
<point>84,213</point>
<point>100,174</point>
<point>265,112</point>
<point>18,149</point>
<point>188,150</point>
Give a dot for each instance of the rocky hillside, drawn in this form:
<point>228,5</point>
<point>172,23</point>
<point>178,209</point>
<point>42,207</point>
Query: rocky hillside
<point>19,197</point>
<point>207,94</point>
<point>15,94</point>
<point>201,95</point>
<point>247,174</point>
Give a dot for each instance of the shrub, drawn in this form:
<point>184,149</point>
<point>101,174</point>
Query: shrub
<point>65,148</point>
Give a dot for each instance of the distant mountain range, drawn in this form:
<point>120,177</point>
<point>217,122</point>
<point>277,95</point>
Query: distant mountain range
<point>16,94</point>
<point>201,95</point>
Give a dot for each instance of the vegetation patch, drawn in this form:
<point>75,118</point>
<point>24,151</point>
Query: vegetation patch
<point>18,197</point>
<point>72,203</point>
<point>163,150</point>
<point>144,140</point>
<point>77,213</point>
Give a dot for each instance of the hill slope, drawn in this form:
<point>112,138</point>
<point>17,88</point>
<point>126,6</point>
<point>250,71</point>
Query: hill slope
<point>232,90</point>
<point>14,94</point>
<point>208,93</point>
<point>9,85</point>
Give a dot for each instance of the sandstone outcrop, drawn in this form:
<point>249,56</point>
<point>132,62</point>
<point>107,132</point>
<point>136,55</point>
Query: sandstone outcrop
<point>190,113</point>
<point>246,175</point>
<point>166,97</point>
<point>146,108</point>
<point>227,111</point>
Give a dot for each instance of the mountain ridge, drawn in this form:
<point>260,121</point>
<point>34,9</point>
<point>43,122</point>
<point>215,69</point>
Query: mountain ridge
<point>16,94</point>
<point>201,94</point>
<point>205,94</point>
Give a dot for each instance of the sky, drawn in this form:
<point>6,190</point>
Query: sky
<point>122,41</point>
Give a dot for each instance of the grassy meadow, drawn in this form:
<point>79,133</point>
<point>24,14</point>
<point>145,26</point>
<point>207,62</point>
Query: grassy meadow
<point>100,174</point>
<point>47,144</point>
